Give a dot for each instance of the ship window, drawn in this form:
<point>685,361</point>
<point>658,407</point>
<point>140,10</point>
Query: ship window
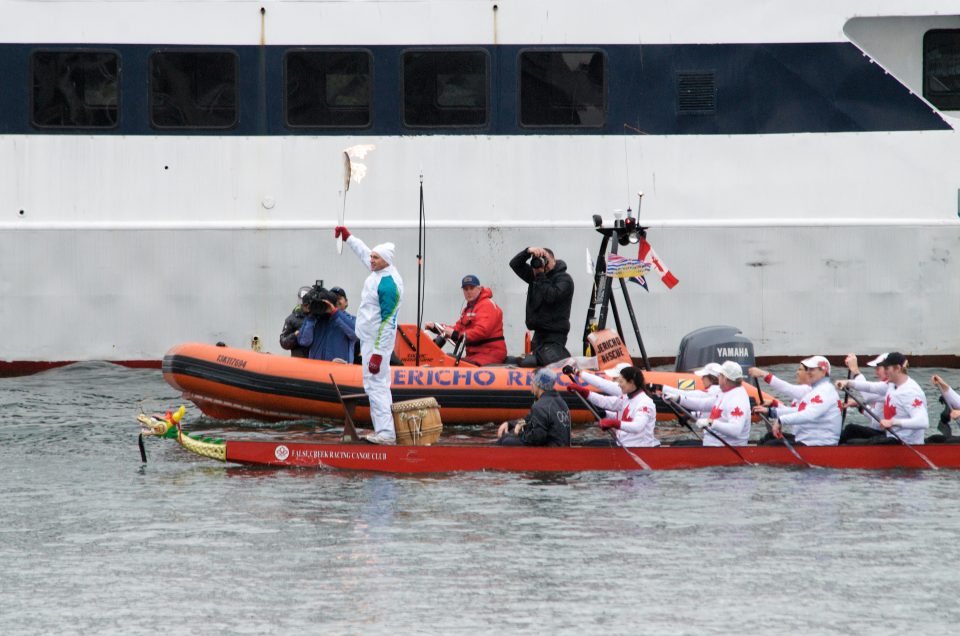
<point>445,88</point>
<point>562,88</point>
<point>941,68</point>
<point>75,89</point>
<point>696,93</point>
<point>193,89</point>
<point>327,89</point>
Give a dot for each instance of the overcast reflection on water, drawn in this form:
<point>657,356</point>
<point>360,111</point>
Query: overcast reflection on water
<point>91,542</point>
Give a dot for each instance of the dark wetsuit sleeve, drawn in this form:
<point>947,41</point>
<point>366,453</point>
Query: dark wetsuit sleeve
<point>521,267</point>
<point>288,338</point>
<point>537,430</point>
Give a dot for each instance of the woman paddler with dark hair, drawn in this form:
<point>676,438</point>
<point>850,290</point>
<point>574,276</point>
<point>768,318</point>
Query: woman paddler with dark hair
<point>632,412</point>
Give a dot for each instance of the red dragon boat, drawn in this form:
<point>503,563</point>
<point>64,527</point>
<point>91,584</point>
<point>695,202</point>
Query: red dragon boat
<point>447,457</point>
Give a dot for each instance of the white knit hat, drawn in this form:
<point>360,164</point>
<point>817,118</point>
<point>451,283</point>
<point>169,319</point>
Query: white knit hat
<point>385,251</point>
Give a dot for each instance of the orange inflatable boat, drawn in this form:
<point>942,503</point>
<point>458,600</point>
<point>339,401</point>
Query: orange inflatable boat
<point>227,383</point>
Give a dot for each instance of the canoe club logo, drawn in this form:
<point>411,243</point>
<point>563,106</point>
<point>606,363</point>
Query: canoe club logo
<point>281,452</point>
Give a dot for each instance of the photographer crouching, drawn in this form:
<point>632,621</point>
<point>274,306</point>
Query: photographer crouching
<point>328,331</point>
<point>549,296</point>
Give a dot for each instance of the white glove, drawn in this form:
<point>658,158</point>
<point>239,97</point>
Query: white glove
<point>669,397</point>
<point>703,423</point>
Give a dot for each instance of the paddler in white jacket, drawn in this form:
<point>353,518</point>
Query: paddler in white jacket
<point>729,411</point>
<point>816,416</point>
<point>710,375</point>
<point>950,396</point>
<point>904,407</point>
<point>952,399</point>
<point>631,413</point>
<point>377,329</point>
<point>873,401</point>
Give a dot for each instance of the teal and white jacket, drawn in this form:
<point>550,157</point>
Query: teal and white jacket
<point>379,304</point>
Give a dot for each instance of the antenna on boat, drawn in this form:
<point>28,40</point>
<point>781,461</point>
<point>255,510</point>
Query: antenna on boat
<point>421,270</point>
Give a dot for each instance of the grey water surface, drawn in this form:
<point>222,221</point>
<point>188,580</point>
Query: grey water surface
<point>93,542</point>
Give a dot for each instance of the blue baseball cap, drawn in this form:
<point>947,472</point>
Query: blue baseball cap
<point>470,281</point>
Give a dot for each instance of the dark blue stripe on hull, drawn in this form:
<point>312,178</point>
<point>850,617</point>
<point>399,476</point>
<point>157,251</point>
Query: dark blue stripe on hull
<point>760,89</point>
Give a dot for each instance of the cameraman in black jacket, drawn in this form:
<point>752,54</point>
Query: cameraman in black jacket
<point>549,296</point>
<point>291,326</point>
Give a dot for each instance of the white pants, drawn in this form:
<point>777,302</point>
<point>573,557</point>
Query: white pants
<point>377,388</point>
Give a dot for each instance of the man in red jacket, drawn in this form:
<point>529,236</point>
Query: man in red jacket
<point>481,323</point>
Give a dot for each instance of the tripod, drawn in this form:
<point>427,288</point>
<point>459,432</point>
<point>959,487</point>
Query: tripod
<point>625,231</point>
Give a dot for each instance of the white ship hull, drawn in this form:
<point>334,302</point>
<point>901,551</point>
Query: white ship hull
<point>118,246</point>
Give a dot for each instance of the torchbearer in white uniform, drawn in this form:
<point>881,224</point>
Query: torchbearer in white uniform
<point>377,329</point>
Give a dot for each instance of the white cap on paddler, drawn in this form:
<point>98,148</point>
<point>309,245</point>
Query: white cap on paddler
<point>817,362</point>
<point>385,251</point>
<point>712,369</point>
<point>614,372</point>
<point>880,358</point>
<point>731,370</point>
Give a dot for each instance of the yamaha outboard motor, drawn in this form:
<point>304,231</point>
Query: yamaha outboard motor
<point>714,344</point>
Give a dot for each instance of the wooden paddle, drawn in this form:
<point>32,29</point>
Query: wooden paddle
<point>348,402</point>
<point>569,373</point>
<point>682,418</point>
<point>846,397</point>
<point>859,400</point>
<point>786,442</point>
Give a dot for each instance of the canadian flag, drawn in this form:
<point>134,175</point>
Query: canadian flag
<point>736,412</point>
<point>889,410</point>
<point>647,254</point>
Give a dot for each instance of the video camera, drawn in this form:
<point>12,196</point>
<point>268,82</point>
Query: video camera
<point>315,298</point>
